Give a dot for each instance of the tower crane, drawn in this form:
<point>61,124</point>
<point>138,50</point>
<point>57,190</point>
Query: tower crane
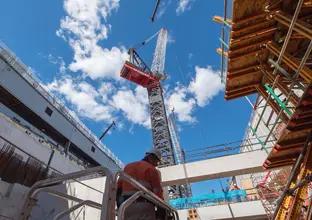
<point>135,70</point>
<point>185,189</point>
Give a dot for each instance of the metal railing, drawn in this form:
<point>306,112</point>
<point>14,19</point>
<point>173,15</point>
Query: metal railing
<point>33,80</point>
<point>221,150</point>
<point>107,206</point>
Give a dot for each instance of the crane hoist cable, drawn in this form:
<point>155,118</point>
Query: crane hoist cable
<point>146,40</point>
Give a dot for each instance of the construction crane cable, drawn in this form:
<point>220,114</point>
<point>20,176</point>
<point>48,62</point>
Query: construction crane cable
<point>179,66</point>
<point>146,40</point>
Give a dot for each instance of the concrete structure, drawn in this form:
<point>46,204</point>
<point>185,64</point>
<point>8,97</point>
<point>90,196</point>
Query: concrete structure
<point>39,107</point>
<point>240,211</point>
<point>48,207</point>
<point>233,165</point>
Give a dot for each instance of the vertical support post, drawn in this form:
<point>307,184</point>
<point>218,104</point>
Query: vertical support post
<point>259,140</point>
<point>66,149</point>
<point>295,209</point>
<point>280,209</point>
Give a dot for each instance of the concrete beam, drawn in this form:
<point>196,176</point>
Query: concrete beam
<point>233,165</point>
<point>241,211</point>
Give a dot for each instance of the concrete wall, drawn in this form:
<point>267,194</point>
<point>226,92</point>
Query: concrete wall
<point>9,206</point>
<point>17,136</point>
<point>47,206</point>
<point>244,210</point>
<point>226,166</point>
<point>25,92</point>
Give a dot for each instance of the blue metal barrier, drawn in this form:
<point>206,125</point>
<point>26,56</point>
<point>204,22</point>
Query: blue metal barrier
<point>209,199</point>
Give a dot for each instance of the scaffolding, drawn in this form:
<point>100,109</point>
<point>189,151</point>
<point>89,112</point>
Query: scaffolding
<point>268,52</point>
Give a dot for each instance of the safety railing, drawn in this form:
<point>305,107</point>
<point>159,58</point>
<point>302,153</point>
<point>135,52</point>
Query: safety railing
<point>33,80</point>
<point>221,150</point>
<point>143,192</point>
<point>107,206</point>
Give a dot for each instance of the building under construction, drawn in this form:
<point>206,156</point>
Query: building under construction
<point>65,171</point>
<point>265,50</point>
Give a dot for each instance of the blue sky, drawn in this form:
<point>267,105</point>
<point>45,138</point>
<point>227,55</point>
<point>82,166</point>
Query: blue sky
<point>78,47</point>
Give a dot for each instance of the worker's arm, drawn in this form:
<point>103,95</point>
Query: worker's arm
<point>154,178</point>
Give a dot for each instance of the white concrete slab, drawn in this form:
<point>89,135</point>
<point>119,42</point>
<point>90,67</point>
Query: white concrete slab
<point>243,210</point>
<point>233,165</point>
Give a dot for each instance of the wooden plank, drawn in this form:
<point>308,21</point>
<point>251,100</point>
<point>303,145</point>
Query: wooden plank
<point>252,38</point>
<point>265,24</point>
<point>242,87</point>
<point>243,74</point>
<point>242,51</point>
<point>246,8</point>
<point>241,70</point>
<point>238,95</point>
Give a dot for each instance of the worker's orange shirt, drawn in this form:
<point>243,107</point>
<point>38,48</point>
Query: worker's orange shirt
<point>144,173</point>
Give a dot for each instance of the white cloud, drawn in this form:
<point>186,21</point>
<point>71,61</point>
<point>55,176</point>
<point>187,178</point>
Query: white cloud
<point>83,97</point>
<point>83,29</point>
<point>62,67</point>
<point>170,39</point>
<point>205,86</point>
<point>183,5</point>
<point>183,105</point>
<point>57,61</point>
<point>190,55</point>
<point>162,8</point>
<point>134,105</point>
<point>105,90</point>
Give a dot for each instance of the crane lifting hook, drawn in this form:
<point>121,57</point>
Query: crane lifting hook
<point>155,10</point>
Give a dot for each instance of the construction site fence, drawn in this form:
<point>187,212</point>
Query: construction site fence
<point>212,199</point>
<point>27,73</point>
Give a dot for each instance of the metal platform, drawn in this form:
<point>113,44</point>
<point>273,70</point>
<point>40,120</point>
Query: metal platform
<point>137,76</point>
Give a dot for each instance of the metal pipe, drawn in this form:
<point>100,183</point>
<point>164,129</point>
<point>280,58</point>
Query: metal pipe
<point>225,44</point>
<point>146,193</point>
<point>127,203</point>
<point>290,30</point>
<point>291,176</point>
<point>306,180</point>
<point>222,57</point>
<point>286,74</point>
<point>304,59</point>
<point>259,140</point>
<point>266,104</point>
<point>276,120</point>
<point>270,90</point>
<point>28,202</point>
<point>73,208</point>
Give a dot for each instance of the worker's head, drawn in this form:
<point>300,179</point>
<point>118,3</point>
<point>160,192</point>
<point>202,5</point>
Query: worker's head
<point>153,156</point>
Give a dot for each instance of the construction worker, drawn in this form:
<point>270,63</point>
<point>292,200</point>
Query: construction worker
<point>235,187</point>
<point>144,172</point>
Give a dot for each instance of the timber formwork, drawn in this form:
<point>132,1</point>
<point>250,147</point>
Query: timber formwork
<point>265,57</point>
<point>268,53</point>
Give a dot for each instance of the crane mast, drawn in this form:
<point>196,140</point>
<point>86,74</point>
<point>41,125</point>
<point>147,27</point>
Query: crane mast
<point>185,189</point>
<point>136,70</point>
